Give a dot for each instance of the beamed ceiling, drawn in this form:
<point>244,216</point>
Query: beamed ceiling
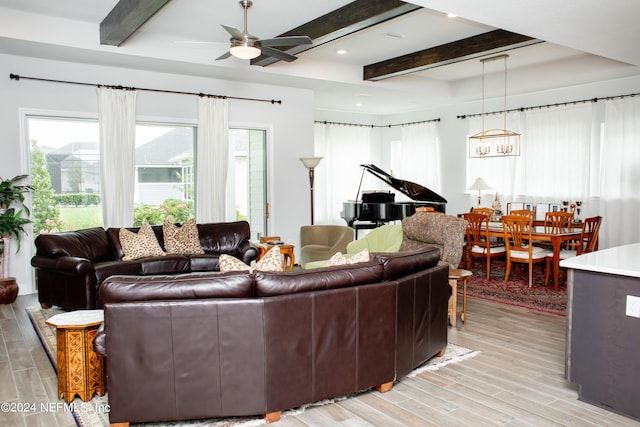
<point>401,56</point>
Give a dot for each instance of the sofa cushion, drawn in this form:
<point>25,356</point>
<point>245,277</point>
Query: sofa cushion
<point>223,237</point>
<point>92,244</point>
<point>106,269</point>
<point>270,284</point>
<point>180,286</point>
<point>164,265</point>
<point>204,262</point>
<point>183,239</point>
<point>139,245</point>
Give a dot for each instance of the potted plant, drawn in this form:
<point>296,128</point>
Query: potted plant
<point>12,222</point>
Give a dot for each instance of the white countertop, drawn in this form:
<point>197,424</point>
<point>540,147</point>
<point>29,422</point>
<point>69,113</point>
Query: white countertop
<point>621,260</point>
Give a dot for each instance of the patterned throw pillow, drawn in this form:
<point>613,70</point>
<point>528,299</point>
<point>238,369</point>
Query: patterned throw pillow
<point>362,256</point>
<point>139,245</point>
<point>339,259</point>
<point>271,261</point>
<point>181,240</point>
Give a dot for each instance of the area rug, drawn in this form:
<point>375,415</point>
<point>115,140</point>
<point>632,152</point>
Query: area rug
<point>516,291</point>
<point>95,412</point>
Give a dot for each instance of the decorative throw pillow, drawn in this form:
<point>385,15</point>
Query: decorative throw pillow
<point>181,240</point>
<point>362,256</point>
<point>271,261</point>
<point>230,263</point>
<point>139,245</point>
<point>339,259</point>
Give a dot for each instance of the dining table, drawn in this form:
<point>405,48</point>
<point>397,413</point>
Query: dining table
<point>545,234</point>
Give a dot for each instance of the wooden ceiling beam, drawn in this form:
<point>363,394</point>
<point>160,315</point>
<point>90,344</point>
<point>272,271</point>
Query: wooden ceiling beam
<point>461,50</point>
<point>125,18</point>
<point>353,17</point>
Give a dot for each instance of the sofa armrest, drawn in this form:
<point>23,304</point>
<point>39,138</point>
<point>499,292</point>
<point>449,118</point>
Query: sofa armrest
<point>247,252</point>
<point>100,341</point>
<point>69,265</point>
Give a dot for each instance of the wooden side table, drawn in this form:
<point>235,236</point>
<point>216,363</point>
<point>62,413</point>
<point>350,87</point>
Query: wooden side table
<point>286,250</point>
<point>80,368</point>
<point>456,274</point>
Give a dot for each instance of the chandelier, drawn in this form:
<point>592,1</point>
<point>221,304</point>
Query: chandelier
<point>495,142</point>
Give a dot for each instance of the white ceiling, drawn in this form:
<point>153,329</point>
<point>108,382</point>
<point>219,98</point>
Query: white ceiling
<point>585,41</point>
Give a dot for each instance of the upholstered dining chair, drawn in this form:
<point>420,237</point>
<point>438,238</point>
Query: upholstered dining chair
<point>517,238</point>
<point>479,245</point>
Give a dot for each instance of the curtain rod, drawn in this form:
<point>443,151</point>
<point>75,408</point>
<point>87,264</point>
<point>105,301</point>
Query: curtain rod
<point>324,122</point>
<point>559,104</point>
<point>18,77</point>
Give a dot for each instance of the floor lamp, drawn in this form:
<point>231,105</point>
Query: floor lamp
<point>311,163</point>
<point>479,185</point>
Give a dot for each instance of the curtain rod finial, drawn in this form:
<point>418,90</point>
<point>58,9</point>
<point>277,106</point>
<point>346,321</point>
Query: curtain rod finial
<point>14,76</point>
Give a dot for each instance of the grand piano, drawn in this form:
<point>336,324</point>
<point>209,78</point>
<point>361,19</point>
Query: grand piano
<point>376,208</point>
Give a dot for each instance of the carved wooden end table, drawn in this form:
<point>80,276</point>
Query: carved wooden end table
<point>80,368</point>
<point>456,274</point>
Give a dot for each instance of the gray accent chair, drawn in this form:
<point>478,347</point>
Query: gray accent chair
<point>320,242</point>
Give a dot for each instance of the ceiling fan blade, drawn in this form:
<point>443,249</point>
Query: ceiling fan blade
<point>235,33</point>
<point>284,56</point>
<point>286,41</point>
<point>224,56</point>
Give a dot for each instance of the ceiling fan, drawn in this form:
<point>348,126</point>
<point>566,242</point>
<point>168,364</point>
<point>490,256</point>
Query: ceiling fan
<point>246,46</point>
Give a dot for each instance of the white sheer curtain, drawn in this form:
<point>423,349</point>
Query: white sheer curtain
<point>556,148</point>
<point>416,157</point>
<point>620,173</point>
<point>212,159</point>
<point>117,121</point>
<point>344,149</point>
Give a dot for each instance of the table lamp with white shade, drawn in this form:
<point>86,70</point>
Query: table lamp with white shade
<point>479,185</point>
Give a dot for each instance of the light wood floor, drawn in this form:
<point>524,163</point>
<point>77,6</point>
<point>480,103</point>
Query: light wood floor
<point>517,379</point>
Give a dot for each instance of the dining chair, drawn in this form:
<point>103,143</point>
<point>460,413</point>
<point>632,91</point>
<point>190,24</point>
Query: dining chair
<point>517,237</point>
<point>524,212</point>
<point>479,245</point>
<point>588,242</point>
<point>489,212</point>
<point>555,222</point>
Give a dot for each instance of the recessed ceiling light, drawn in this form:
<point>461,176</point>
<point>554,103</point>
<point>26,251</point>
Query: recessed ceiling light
<point>451,15</point>
<point>358,104</point>
<point>341,51</point>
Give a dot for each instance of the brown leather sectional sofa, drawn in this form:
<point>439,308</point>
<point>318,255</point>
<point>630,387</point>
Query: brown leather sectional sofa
<point>70,266</point>
<point>209,345</point>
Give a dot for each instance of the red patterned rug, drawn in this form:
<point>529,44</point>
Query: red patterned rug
<point>516,291</point>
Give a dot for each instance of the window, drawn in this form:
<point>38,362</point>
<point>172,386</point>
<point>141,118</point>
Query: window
<point>164,173</point>
<point>65,170</point>
<point>65,173</point>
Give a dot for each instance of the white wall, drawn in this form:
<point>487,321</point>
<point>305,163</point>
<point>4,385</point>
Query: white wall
<point>290,126</point>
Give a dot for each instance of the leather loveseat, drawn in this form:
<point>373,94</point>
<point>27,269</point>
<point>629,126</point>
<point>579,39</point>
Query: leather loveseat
<point>238,343</point>
<point>70,266</point>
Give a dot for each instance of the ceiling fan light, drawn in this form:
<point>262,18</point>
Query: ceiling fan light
<point>245,52</point>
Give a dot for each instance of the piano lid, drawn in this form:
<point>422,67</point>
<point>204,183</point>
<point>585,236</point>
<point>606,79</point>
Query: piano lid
<point>408,188</point>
